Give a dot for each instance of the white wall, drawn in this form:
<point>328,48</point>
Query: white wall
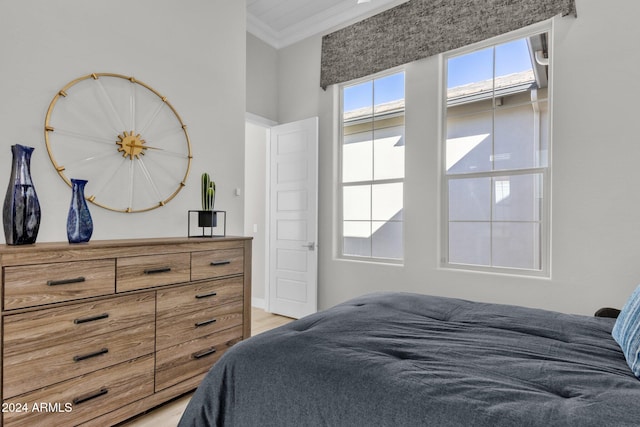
<point>299,80</point>
<point>191,51</point>
<point>595,201</point>
<point>262,78</point>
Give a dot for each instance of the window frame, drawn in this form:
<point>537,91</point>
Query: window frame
<point>546,171</point>
<point>340,185</point>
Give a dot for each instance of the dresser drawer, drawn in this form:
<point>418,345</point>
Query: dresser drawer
<point>198,297</point>
<point>85,397</point>
<point>186,360</point>
<point>26,332</point>
<point>140,272</point>
<point>217,263</point>
<point>188,326</point>
<point>44,366</point>
<point>32,285</point>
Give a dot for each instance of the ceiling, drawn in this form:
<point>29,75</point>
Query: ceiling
<point>284,22</point>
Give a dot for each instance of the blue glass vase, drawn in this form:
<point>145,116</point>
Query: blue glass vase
<point>21,209</point>
<point>79,222</point>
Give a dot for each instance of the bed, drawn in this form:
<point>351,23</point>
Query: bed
<point>400,359</point>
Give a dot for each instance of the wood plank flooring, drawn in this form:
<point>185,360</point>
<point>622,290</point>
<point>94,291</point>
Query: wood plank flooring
<point>169,414</point>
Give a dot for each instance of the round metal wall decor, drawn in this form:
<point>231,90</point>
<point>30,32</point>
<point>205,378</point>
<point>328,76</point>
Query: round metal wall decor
<point>123,137</point>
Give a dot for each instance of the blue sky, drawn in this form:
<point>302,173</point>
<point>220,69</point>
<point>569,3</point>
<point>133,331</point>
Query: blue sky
<point>388,88</point>
<point>511,57</point>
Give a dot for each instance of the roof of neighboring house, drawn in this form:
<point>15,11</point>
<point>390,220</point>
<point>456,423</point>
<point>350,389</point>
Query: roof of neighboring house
<point>381,109</point>
<point>510,83</point>
<point>517,81</point>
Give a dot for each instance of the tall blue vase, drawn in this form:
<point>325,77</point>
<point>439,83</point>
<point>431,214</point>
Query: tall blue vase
<point>21,209</point>
<point>79,222</point>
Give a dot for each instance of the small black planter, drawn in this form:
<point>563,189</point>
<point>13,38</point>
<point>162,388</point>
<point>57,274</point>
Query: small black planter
<point>207,219</point>
<point>208,223</point>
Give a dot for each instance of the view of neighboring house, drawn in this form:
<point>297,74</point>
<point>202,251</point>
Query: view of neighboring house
<point>372,176</point>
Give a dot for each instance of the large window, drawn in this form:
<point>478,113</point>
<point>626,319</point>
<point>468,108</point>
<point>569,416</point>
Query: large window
<point>372,168</point>
<point>496,165</point>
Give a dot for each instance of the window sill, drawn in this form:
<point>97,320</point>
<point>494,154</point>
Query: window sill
<point>376,261</point>
<point>497,271</point>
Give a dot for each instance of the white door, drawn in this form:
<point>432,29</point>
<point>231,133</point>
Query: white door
<point>293,229</point>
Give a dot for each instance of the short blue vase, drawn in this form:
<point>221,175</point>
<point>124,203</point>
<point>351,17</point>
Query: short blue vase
<point>79,222</point>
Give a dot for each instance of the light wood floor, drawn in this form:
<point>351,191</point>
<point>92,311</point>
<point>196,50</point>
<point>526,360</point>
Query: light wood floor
<point>169,414</point>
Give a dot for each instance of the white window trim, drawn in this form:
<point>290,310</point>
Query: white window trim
<point>546,230</point>
<point>339,231</point>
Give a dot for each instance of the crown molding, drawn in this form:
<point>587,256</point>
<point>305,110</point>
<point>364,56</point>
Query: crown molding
<point>328,20</point>
<point>262,31</point>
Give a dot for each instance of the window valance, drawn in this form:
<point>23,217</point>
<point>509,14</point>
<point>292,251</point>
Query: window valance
<point>420,28</point>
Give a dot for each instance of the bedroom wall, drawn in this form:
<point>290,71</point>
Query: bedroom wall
<point>262,79</point>
<point>595,201</point>
<point>192,51</point>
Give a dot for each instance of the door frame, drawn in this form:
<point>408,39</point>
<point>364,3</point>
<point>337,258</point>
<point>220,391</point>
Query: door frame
<point>267,124</point>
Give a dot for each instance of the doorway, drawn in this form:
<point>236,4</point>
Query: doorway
<point>256,190</point>
<point>281,214</point>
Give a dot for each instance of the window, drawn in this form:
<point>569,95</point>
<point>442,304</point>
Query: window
<point>496,149</point>
<point>372,168</point>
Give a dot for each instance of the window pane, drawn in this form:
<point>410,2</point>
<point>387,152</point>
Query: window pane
<point>469,143</point>
<point>470,199</point>
<point>517,142</point>
<point>387,239</point>
<point>357,157</point>
<point>513,59</point>
<point>387,202</point>
<point>543,130</point>
<point>389,153</point>
<point>388,92</point>
<point>357,238</point>
<point>516,245</point>
<point>470,243</point>
<point>356,203</point>
<point>470,68</point>
<point>358,97</point>
<point>518,198</point>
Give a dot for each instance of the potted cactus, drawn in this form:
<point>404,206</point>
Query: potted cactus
<point>207,216</point>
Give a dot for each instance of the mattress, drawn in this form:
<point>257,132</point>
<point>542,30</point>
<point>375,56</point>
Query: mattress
<point>401,359</point>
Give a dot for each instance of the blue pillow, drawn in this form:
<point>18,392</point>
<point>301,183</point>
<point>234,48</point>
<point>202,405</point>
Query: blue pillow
<point>626,331</point>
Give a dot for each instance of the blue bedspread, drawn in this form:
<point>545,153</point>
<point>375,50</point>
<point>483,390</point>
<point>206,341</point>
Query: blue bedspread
<point>398,359</point>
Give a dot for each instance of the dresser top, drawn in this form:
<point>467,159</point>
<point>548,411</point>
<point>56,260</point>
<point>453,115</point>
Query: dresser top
<point>116,243</point>
<point>64,251</point>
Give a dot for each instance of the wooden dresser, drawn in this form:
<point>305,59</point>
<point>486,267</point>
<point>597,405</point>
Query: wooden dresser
<point>95,333</point>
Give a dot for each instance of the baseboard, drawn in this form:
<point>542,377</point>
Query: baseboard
<point>258,303</point>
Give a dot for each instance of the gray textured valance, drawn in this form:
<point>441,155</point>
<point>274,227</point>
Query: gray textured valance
<point>421,28</point>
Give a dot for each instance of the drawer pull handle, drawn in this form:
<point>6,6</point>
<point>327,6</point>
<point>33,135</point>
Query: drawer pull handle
<point>204,353</point>
<point>91,319</point>
<point>206,322</point>
<point>90,355</point>
<point>87,397</point>
<point>157,270</point>
<point>212,294</point>
<point>217,263</point>
<point>65,281</point>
